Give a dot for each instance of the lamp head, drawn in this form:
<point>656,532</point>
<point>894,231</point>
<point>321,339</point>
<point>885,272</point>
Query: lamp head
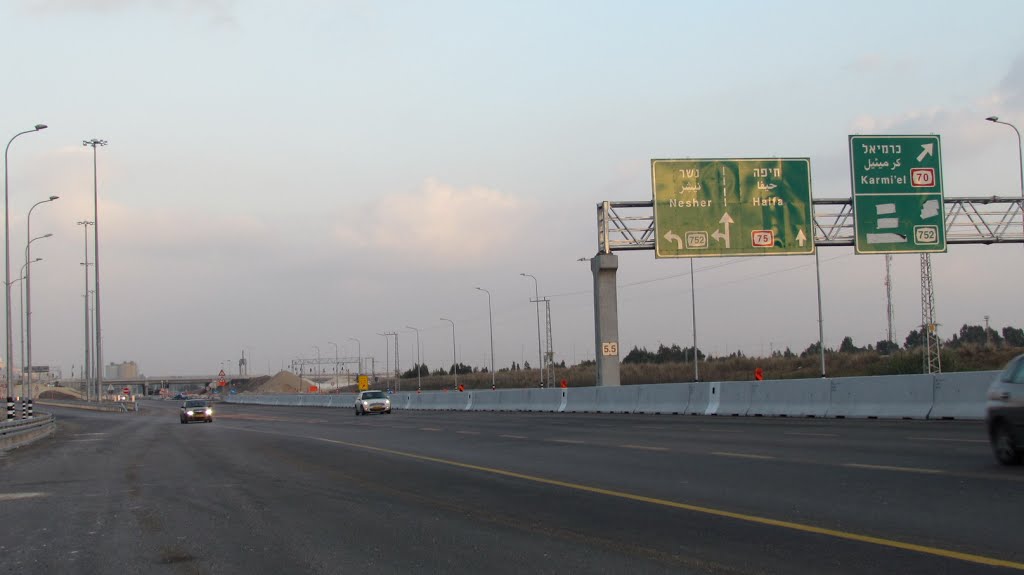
<point>53,198</point>
<point>41,127</point>
<point>992,118</point>
<point>48,236</point>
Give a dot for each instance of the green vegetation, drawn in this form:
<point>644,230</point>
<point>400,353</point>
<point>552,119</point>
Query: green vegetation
<point>972,348</point>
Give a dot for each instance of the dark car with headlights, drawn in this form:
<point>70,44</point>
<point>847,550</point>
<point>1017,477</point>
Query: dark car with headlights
<point>1004,413</point>
<point>372,402</point>
<point>196,410</point>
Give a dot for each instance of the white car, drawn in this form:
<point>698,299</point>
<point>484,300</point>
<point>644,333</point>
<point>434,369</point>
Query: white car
<point>374,401</point>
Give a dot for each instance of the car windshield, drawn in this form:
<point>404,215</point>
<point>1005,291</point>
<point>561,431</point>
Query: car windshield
<point>373,395</point>
<point>1014,372</point>
<point>195,404</point>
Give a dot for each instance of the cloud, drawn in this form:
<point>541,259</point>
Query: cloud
<point>219,11</point>
<point>439,225</point>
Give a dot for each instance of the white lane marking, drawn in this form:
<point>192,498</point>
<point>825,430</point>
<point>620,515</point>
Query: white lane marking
<point>513,436</point>
<point>644,447</point>
<point>743,455</point>
<point>946,439</point>
<point>430,429</point>
<point>85,440</point>
<point>468,432</point>
<point>810,434</point>
<point>895,468</point>
<point>23,495</point>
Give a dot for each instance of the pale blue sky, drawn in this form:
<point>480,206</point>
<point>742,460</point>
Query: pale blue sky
<point>281,175</point>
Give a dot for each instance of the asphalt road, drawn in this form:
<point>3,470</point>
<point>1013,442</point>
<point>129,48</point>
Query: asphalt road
<point>313,490</point>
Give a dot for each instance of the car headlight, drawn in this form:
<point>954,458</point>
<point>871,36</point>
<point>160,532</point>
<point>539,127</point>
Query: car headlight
<point>209,411</point>
<point>387,402</point>
<point>366,404</point>
<point>190,412</point>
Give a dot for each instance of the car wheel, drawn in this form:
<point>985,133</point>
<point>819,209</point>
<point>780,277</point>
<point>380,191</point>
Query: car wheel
<point>357,412</point>
<point>1005,446</point>
<point>183,421</point>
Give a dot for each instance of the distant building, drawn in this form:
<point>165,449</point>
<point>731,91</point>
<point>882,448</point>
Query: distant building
<point>124,370</point>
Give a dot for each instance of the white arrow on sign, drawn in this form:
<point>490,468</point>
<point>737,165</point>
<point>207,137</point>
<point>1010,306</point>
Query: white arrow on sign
<point>718,235</point>
<point>800,237</point>
<point>927,150</point>
<point>673,237</point>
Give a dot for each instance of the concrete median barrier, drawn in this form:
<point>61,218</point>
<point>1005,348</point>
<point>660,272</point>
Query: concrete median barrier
<point>790,398</point>
<point>665,398</point>
<point>618,399</point>
<point>485,400</point>
<point>581,400</point>
<point>733,398</point>
<point>548,399</point>
<point>700,398</point>
<point>902,397</point>
<point>513,400</point>
<point>961,395</point>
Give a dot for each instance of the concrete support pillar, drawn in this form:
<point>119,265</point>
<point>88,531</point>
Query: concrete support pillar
<point>606,318</point>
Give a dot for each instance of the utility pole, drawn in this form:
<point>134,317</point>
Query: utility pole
<point>889,314</point>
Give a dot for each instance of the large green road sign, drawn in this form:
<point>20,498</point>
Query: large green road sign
<point>897,194</point>
<point>732,207</point>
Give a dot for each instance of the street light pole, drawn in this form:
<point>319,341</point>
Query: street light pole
<point>490,317</point>
<point>7,259</point>
<point>27,391</point>
<point>26,388</point>
<point>335,364</point>
<point>455,361</point>
<point>96,258</point>
<point>540,356</point>
<point>359,355</point>
<point>21,329</point>
<point>1020,155</point>
<point>87,373</point>
<point>419,366</point>
<point>317,367</point>
<point>387,355</point>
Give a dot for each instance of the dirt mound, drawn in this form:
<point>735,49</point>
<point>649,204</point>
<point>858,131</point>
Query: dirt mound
<point>59,393</point>
<point>283,382</point>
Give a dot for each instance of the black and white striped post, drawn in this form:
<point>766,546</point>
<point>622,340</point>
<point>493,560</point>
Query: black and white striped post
<point>10,407</point>
<point>30,416</point>
<point>24,408</point>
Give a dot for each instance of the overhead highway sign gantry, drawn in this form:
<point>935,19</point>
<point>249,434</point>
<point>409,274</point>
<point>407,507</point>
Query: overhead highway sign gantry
<point>732,207</point>
<point>897,194</point>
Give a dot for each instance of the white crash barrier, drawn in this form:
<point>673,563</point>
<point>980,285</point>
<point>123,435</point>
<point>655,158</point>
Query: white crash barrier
<point>617,399</point>
<point>667,398</point>
<point>485,400</point>
<point>909,397</point>
<point>547,399</point>
<point>942,396</point>
<point>700,398</point>
<point>513,400</point>
<point>791,398</point>
<point>733,398</point>
<point>961,395</point>
<point>581,400</point>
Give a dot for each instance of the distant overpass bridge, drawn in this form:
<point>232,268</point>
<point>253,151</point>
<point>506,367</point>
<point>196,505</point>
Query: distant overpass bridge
<point>151,385</point>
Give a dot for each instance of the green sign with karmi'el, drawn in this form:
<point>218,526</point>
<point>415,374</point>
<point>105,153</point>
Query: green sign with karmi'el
<point>897,194</point>
<point>732,207</point>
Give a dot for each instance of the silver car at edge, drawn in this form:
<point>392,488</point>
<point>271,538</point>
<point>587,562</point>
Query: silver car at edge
<point>372,401</point>
<point>1004,413</point>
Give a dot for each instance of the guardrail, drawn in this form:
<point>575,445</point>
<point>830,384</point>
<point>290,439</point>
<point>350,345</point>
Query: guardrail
<point>959,395</point>
<point>20,432</point>
<point>112,406</point>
